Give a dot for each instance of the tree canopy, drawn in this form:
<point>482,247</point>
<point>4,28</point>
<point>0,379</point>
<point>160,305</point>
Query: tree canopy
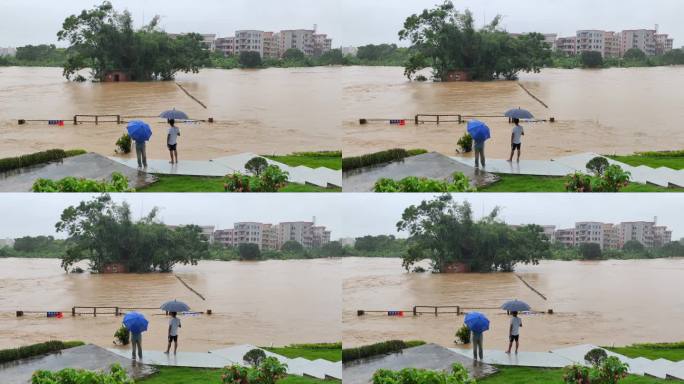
<point>592,59</point>
<point>104,232</point>
<point>447,40</point>
<point>104,40</point>
<point>445,232</point>
<point>248,251</point>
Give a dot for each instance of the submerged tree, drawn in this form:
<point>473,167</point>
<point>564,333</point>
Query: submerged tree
<point>446,40</point>
<point>104,40</point>
<point>445,232</point>
<point>104,232</point>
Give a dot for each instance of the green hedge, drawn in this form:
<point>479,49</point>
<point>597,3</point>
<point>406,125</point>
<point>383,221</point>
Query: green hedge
<point>350,163</point>
<point>382,348</point>
<point>12,163</point>
<point>7,355</point>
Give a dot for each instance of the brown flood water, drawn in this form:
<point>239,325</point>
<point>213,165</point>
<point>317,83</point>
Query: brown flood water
<point>604,303</point>
<point>606,111</point>
<point>261,111</point>
<point>265,303</point>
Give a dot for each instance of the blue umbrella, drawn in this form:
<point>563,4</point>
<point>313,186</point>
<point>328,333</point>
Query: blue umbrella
<point>174,114</point>
<point>478,130</point>
<point>515,306</point>
<point>135,322</point>
<point>175,306</point>
<point>476,322</point>
<point>519,113</point>
<point>139,130</point>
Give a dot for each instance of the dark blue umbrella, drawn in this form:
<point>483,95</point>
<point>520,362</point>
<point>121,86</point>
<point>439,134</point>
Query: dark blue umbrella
<point>139,130</point>
<point>175,306</point>
<point>135,322</point>
<point>478,130</point>
<point>476,322</point>
<point>174,114</point>
<point>519,113</point>
<point>515,306</point>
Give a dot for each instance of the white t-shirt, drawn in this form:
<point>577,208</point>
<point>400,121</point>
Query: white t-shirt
<point>518,131</point>
<point>516,323</point>
<point>174,323</point>
<point>174,132</point>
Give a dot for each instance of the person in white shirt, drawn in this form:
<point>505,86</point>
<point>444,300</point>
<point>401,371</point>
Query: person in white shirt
<point>516,139</point>
<point>174,325</point>
<point>172,141</point>
<point>514,332</point>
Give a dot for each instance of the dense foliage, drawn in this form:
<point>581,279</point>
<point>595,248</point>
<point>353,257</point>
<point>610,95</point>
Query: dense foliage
<point>256,166</point>
<point>445,232</point>
<point>7,355</point>
<point>254,357</point>
<point>590,251</point>
<point>270,179</point>
<point>609,370</point>
<point>104,40</point>
<point>123,144</point>
<point>447,40</point>
<point>611,178</point>
<point>122,336</point>
<point>630,250</point>
<point>463,335</point>
<point>105,232</point>
<point>465,143</point>
<point>248,251</point>
<point>12,163</point>
<point>458,183</point>
<point>458,375</point>
<point>70,184</point>
<point>382,348</point>
<point>269,371</point>
<point>116,375</point>
<point>591,59</point>
<point>351,163</point>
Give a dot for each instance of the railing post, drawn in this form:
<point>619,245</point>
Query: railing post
<point>437,119</point>
<point>435,311</point>
<point>458,310</point>
<point>96,119</point>
<point>415,311</point>
<point>75,119</point>
<point>417,119</point>
<point>94,311</point>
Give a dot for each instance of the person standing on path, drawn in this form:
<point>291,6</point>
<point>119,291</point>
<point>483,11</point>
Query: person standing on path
<point>136,343</point>
<point>479,148</point>
<point>172,141</point>
<point>516,139</point>
<point>174,324</point>
<point>514,332</point>
<point>477,340</point>
<point>141,153</point>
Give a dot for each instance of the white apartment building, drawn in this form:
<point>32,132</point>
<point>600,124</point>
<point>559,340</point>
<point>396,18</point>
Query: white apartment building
<point>273,236</point>
<point>615,236</point>
<point>301,39</point>
<point>249,41</point>
<point>322,44</point>
<point>226,45</point>
<point>643,39</point>
<point>274,44</point>
<point>299,231</point>
<point>567,45</point>
<point>664,43</point>
<point>591,40</point>
<point>566,237</point>
<point>589,232</point>
<point>347,241</point>
<point>611,236</point>
<point>321,236</point>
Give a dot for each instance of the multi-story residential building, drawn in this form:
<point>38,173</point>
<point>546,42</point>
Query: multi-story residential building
<point>567,45</point>
<point>611,44</point>
<point>322,44</point>
<point>615,236</point>
<point>321,236</point>
<point>299,231</point>
<point>226,45</point>
<point>661,236</point>
<point>640,231</point>
<point>271,45</point>
<point>269,236</point>
<point>591,40</point>
<point>643,39</point>
<point>274,44</point>
<point>611,239</point>
<point>301,39</point>
<point>225,237</point>
<point>664,43</point>
<point>273,236</point>
<point>249,41</point>
<point>566,237</point>
<point>589,232</point>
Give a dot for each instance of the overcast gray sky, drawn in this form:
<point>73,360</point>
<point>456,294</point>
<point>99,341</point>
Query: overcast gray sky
<point>347,215</point>
<point>349,22</point>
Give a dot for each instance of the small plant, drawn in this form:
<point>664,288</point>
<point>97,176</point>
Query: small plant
<point>465,143</point>
<point>604,370</point>
<point>268,372</point>
<point>70,184</point>
<point>270,180</point>
<point>458,375</point>
<point>614,178</point>
<point>596,356</point>
<point>256,165</point>
<point>411,184</point>
<point>577,374</point>
<point>598,165</point>
<point>123,144</point>
<point>612,370</point>
<point>254,357</point>
<point>116,375</point>
<point>122,336</point>
<point>578,182</point>
<point>463,335</point>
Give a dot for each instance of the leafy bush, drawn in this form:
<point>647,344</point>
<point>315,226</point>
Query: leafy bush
<point>458,375</point>
<point>592,59</point>
<point>256,165</point>
<point>117,375</point>
<point>268,372</point>
<point>613,179</point>
<point>249,59</point>
<point>590,251</point>
<point>270,180</point>
<point>249,251</point>
<point>465,143</point>
<point>350,163</point>
<point>611,371</point>
<point>254,357</point>
<point>577,374</point>
<point>385,347</point>
<point>12,354</point>
<point>460,183</point>
<point>123,144</point>
<point>463,335</point>
<point>75,152</point>
<point>12,163</point>
<point>608,370</point>
<point>70,184</point>
<point>122,336</point>
<point>578,182</point>
<point>596,356</point>
<point>598,165</point>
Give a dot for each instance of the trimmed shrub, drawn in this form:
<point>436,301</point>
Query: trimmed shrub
<point>123,144</point>
<point>75,152</point>
<point>596,356</point>
<point>350,163</point>
<point>122,336</point>
<point>270,180</point>
<point>458,375</point>
<point>256,165</point>
<point>116,375</point>
<point>411,184</point>
<point>70,184</point>
<point>12,163</point>
<point>366,351</point>
<point>465,143</point>
<point>254,357</point>
<point>268,372</point>
<point>598,165</point>
<point>576,374</point>
<point>463,335</point>
<point>12,354</point>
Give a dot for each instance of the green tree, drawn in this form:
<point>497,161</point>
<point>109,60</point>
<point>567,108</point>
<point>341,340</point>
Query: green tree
<point>256,165</point>
<point>633,246</point>
<point>292,246</point>
<point>332,249</point>
<point>445,232</point>
<point>249,251</point>
<point>333,57</point>
<point>590,251</point>
<point>635,54</point>
<point>592,59</point>
<point>249,59</point>
<point>294,54</point>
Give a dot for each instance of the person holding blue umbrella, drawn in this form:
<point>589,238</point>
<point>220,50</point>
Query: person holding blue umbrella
<point>478,323</point>
<point>136,324</point>
<point>140,132</point>
<point>480,133</point>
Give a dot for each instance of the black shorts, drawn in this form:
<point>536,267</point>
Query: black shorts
<point>516,146</point>
<point>514,338</point>
<point>172,147</point>
<point>173,338</point>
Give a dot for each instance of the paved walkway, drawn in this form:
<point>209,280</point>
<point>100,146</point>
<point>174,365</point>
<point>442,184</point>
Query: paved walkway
<point>322,177</point>
<point>563,166</point>
<point>88,357</point>
<point>558,358</point>
<point>220,358</point>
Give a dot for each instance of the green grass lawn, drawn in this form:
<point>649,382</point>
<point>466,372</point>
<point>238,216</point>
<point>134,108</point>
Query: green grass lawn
<point>176,183</point>
<point>669,351</point>
<point>178,375</point>
<point>332,160</point>
<point>326,352</point>
<point>674,162</point>
<point>525,375</point>
<point>527,183</point>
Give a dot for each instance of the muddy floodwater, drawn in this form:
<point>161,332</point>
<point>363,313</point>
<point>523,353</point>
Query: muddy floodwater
<point>611,111</point>
<point>264,303</point>
<point>261,111</point>
<point>604,303</point>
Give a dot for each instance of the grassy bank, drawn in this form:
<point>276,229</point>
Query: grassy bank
<point>527,183</point>
<point>176,183</point>
<point>327,159</point>
<point>669,351</point>
<point>330,352</point>
<point>178,375</point>
<point>525,375</point>
<point>670,159</point>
